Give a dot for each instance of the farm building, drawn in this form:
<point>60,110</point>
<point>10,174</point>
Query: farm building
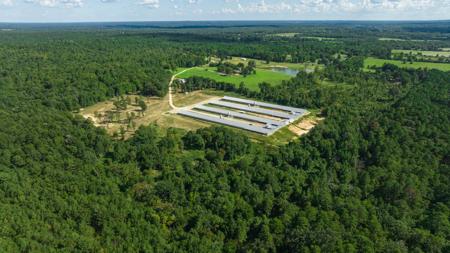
<point>258,117</point>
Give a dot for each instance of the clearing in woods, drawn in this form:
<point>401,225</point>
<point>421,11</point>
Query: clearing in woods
<point>424,53</point>
<point>159,112</point>
<point>269,65</point>
<point>251,81</point>
<point>125,120</point>
<point>268,72</point>
<point>370,61</point>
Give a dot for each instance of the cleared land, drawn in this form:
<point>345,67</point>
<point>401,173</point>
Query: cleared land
<point>369,62</point>
<point>158,112</point>
<point>251,81</point>
<point>293,34</point>
<point>289,35</point>
<point>318,38</point>
<point>264,65</point>
<point>424,53</point>
<point>397,39</point>
<point>271,72</point>
<point>303,127</point>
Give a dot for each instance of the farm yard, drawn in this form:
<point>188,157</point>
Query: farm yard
<point>159,112</point>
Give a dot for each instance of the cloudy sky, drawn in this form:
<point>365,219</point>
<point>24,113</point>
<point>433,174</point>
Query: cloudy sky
<point>157,10</point>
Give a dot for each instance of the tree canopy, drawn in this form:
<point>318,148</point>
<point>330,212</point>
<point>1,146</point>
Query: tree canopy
<point>373,177</point>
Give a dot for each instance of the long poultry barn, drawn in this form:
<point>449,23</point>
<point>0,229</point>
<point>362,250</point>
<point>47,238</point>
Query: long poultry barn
<point>254,116</point>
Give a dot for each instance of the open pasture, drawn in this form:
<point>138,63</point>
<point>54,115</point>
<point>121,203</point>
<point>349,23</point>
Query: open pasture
<point>287,35</point>
<point>398,39</point>
<point>423,53</point>
<point>264,65</point>
<point>371,61</point>
<point>251,81</point>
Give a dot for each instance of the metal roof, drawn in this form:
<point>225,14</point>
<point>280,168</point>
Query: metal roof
<point>254,109</point>
<point>227,122</point>
<point>258,112</point>
<point>240,115</point>
<point>267,105</point>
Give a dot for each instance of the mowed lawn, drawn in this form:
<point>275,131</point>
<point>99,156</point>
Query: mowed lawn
<point>431,65</point>
<point>251,81</point>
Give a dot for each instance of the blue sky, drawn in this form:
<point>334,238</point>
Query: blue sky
<point>158,10</point>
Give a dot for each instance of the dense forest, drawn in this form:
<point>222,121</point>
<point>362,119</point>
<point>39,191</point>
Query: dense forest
<point>373,177</point>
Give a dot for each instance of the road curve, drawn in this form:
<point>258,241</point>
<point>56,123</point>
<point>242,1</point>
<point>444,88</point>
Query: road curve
<point>170,88</point>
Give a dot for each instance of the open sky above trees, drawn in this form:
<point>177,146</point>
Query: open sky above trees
<point>158,10</point>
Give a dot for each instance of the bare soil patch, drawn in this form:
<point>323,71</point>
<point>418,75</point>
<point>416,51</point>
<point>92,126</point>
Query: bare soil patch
<point>304,126</point>
<point>158,112</point>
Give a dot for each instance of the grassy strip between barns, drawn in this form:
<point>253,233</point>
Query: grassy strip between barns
<point>370,61</point>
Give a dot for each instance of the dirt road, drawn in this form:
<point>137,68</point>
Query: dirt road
<point>170,88</point>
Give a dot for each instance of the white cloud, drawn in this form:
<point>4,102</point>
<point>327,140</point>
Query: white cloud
<point>6,2</point>
<point>326,6</point>
<point>154,4</point>
<point>54,3</point>
<point>72,3</point>
<point>258,7</point>
<point>46,3</point>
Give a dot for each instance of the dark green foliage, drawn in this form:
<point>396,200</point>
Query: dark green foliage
<point>373,177</point>
<point>193,141</point>
<point>225,142</point>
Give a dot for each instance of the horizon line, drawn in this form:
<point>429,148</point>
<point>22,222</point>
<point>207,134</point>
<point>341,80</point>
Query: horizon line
<point>226,20</point>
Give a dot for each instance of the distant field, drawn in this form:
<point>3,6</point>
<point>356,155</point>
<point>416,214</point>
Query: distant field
<point>396,39</point>
<point>424,53</point>
<point>319,38</point>
<point>264,65</point>
<point>380,62</point>
<point>251,81</point>
<point>289,35</point>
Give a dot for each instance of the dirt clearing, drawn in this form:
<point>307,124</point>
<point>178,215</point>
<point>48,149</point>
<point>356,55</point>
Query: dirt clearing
<point>304,125</point>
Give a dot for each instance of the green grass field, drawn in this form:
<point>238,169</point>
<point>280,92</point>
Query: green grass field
<point>424,53</point>
<point>263,65</point>
<point>251,81</point>
<point>380,62</point>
